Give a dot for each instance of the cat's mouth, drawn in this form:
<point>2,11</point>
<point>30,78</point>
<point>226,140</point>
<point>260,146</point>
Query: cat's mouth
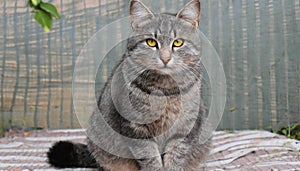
<point>165,70</point>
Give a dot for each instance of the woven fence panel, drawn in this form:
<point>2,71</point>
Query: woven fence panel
<point>258,42</point>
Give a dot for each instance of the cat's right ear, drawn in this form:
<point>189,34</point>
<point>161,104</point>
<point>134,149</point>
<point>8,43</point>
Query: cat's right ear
<point>139,13</point>
<point>191,13</point>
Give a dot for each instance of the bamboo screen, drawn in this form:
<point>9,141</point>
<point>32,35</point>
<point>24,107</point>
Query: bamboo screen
<point>258,42</point>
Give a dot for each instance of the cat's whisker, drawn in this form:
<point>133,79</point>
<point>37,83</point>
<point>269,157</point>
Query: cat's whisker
<point>136,71</point>
<point>190,71</point>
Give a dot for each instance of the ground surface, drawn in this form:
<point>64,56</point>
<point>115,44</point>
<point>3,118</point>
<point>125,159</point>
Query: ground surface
<point>244,150</point>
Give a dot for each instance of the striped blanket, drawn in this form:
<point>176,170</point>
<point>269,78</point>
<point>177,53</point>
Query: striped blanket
<point>242,150</point>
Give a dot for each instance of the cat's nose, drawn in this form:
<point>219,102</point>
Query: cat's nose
<point>165,55</point>
<point>165,60</point>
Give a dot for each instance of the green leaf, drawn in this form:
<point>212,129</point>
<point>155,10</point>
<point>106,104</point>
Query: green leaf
<point>35,2</point>
<point>30,3</point>
<point>298,136</point>
<point>284,132</point>
<point>269,128</point>
<point>233,109</point>
<point>295,127</point>
<point>51,9</point>
<point>44,19</point>
<point>229,131</point>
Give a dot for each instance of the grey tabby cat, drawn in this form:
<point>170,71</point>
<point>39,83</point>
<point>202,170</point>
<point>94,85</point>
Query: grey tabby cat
<point>153,94</point>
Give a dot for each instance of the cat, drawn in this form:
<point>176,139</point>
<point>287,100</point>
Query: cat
<point>153,94</point>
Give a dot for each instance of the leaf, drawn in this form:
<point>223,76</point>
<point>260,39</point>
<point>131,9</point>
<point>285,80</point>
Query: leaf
<point>295,127</point>
<point>233,109</point>
<point>298,136</point>
<point>44,19</point>
<point>284,132</point>
<point>30,3</point>
<point>51,9</point>
<point>229,132</point>
<point>269,128</point>
<point>35,2</point>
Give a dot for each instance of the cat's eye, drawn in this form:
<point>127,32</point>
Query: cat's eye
<point>151,42</point>
<point>178,43</point>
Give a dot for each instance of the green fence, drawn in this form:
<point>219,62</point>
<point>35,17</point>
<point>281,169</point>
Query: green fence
<point>258,42</point>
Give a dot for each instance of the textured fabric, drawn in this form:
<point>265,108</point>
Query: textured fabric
<point>246,150</point>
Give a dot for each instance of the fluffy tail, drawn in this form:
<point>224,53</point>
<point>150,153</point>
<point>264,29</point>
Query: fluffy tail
<point>65,154</point>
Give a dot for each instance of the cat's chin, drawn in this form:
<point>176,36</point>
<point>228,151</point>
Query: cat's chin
<point>166,70</point>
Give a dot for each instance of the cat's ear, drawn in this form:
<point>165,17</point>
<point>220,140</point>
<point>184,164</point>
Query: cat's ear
<point>139,13</point>
<point>190,13</point>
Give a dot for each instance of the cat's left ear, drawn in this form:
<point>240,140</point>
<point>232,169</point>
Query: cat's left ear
<point>191,13</point>
<point>139,13</point>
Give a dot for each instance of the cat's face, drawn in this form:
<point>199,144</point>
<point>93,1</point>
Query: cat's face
<point>165,43</point>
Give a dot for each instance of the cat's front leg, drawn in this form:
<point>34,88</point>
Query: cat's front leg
<point>148,157</point>
<point>151,164</point>
<point>174,157</point>
<point>184,155</point>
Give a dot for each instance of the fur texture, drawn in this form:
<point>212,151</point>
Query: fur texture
<point>65,154</point>
<point>149,97</point>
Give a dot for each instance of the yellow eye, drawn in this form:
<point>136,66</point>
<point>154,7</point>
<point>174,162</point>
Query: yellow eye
<point>178,43</point>
<point>151,42</point>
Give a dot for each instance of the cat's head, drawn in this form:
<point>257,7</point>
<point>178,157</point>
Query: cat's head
<point>163,42</point>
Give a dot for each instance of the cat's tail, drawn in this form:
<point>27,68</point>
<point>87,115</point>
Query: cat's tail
<point>65,154</point>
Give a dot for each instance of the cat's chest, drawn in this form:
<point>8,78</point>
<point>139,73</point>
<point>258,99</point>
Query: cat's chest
<point>165,110</point>
<point>153,107</point>
<point>164,113</point>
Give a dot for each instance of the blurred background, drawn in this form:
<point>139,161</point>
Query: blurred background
<point>258,42</point>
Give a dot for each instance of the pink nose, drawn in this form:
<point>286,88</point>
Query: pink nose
<point>165,55</point>
<point>165,60</point>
